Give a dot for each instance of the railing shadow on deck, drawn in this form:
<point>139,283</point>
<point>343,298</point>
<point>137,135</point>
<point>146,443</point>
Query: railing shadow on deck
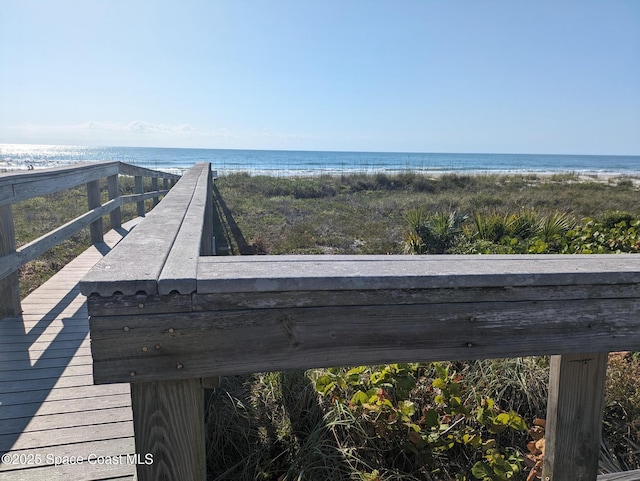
<point>31,366</point>
<point>26,384</point>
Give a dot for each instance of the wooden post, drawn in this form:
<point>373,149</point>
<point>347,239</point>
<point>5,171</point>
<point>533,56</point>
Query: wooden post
<point>93,196</point>
<point>168,421</point>
<point>9,288</point>
<point>139,190</point>
<point>574,417</point>
<point>114,192</point>
<point>165,183</point>
<point>154,187</point>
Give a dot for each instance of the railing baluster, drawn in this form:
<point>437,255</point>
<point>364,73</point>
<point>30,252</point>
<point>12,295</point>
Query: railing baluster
<point>168,421</point>
<point>114,192</point>
<point>93,197</point>
<point>9,289</point>
<point>154,187</point>
<point>139,190</point>
<point>574,417</point>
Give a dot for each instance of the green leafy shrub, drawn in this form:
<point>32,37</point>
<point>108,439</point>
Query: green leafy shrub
<point>428,421</point>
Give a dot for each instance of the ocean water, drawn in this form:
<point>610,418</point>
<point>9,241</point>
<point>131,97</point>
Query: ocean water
<point>285,163</point>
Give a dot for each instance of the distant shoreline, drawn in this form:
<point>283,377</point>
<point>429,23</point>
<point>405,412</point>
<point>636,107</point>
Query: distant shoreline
<point>583,176</point>
<point>313,163</point>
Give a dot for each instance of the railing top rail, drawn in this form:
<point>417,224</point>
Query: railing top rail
<point>140,259</point>
<point>15,187</point>
<point>347,272</point>
<point>128,169</point>
<point>252,274</point>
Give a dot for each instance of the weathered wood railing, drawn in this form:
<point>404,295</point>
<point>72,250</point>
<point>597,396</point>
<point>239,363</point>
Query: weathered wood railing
<point>16,187</point>
<point>164,315</point>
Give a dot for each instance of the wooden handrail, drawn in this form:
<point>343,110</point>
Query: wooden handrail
<point>17,187</point>
<point>165,327</point>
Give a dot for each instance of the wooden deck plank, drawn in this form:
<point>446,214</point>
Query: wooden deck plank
<point>56,421</point>
<point>66,406</point>
<point>62,394</point>
<point>62,436</point>
<point>82,358</point>
<point>49,405</point>
<point>47,456</point>
<point>45,373</point>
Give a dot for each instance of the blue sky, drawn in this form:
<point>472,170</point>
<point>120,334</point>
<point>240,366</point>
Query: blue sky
<point>422,76</point>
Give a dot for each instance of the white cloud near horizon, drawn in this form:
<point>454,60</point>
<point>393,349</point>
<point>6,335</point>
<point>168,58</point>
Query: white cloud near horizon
<point>138,133</point>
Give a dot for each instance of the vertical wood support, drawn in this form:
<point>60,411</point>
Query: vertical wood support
<point>168,421</point>
<point>154,187</point>
<point>9,288</point>
<point>574,417</point>
<point>114,193</point>
<point>93,197</point>
<point>139,190</point>
<point>165,183</point>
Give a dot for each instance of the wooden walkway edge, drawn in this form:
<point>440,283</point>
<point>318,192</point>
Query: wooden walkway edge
<point>54,423</point>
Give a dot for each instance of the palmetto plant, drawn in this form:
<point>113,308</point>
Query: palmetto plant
<point>435,233</point>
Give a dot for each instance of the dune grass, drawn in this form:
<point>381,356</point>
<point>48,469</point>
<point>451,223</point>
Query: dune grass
<point>365,214</point>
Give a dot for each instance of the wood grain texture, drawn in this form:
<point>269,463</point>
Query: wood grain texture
<point>113,188</point>
<point>574,416</point>
<point>169,424</point>
<point>139,190</point>
<point>317,272</point>
<point>179,272</point>
<point>93,200</point>
<point>139,304</point>
<point>137,263</point>
<point>215,342</point>
<point>26,185</point>
<point>9,289</point>
<point>37,247</point>
<point>377,297</point>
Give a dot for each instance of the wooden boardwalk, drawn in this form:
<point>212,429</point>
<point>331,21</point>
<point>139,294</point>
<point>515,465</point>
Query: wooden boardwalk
<point>50,411</point>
